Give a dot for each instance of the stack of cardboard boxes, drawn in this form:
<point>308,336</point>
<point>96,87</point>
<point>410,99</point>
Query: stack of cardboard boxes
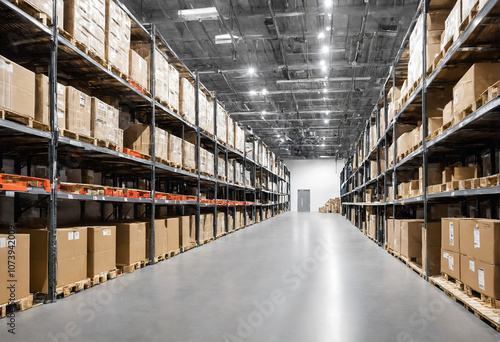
<point>187,100</point>
<point>470,253</point>
<point>105,122</point>
<point>20,245</point>
<point>118,26</point>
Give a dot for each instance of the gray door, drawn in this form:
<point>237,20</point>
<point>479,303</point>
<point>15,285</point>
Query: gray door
<point>304,201</point>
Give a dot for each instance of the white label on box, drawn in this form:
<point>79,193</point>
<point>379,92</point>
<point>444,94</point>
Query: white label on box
<point>70,236</point>
<point>101,106</point>
<point>106,232</point>
<point>480,278</point>
<point>472,266</point>
<point>452,237</point>
<point>477,238</point>
<point>77,235</point>
<point>451,265</point>
<point>82,101</point>
<point>9,193</point>
<point>60,115</point>
<point>2,242</point>
<point>445,255</point>
<point>11,243</point>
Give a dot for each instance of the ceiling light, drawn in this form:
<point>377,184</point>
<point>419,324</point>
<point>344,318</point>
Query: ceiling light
<point>225,39</point>
<point>328,3</point>
<point>321,35</point>
<point>325,90</point>
<point>328,28</point>
<point>327,112</point>
<point>324,68</point>
<point>329,16</point>
<point>322,145</point>
<point>264,112</point>
<point>326,121</point>
<point>325,49</point>
<point>323,63</point>
<point>207,13</point>
<point>251,70</point>
<point>253,92</point>
<point>282,140</point>
<point>264,91</point>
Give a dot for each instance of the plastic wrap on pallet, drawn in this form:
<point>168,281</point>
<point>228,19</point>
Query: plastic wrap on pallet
<point>138,69</point>
<point>173,87</point>
<point>210,163</point>
<point>230,171</point>
<point>118,26</point>
<point>248,180</point>
<point>203,160</point>
<point>187,101</point>
<point>188,155</point>
<point>239,172</point>
<point>209,116</point>
<point>86,21</point>
<point>249,147</point>
<point>239,137</point>
<point>221,123</point>
<point>104,121</point>
<point>230,131</point>
<point>78,112</point>
<point>221,167</point>
<point>42,101</point>
<point>174,149</point>
<point>452,23</point>
<point>45,6</point>
<point>161,68</point>
<point>161,143</point>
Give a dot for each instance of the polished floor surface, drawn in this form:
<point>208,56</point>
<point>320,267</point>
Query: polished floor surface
<point>296,277</point>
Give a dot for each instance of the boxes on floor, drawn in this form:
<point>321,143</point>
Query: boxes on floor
<point>17,85</point>
<point>130,242</point>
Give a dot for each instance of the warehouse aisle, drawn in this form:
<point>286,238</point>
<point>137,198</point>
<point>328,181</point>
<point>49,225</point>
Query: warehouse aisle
<point>295,277</point>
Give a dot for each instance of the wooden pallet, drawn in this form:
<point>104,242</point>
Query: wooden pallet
<point>206,241</point>
<point>105,144</point>
<point>168,255</point>
<point>438,131</point>
<point>31,9</point>
<point>188,169</point>
<point>474,304</point>
<point>103,277</point>
<point>452,186</point>
<point>87,189</point>
<point>132,267</point>
<point>489,181</point>
<point>222,178</point>
<point>188,247</point>
<point>76,136</point>
<point>68,290</point>
<point>25,120</point>
<point>20,304</point>
<point>117,72</point>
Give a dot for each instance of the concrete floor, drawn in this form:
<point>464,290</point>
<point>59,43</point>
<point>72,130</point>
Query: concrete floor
<point>296,277</point>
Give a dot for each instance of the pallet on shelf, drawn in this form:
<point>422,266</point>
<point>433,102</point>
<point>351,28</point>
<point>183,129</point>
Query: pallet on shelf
<point>476,305</point>
<point>106,144</point>
<point>70,289</point>
<point>130,268</point>
<point>76,136</point>
<point>103,277</point>
<point>20,304</point>
<point>21,183</point>
<point>136,154</point>
<point>6,114</point>
<point>489,181</point>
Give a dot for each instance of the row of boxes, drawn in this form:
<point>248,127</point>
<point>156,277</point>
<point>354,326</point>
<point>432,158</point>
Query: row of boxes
<point>87,251</point>
<point>333,205</point>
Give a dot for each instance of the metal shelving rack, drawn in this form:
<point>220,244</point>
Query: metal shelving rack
<point>355,181</point>
<point>61,51</point>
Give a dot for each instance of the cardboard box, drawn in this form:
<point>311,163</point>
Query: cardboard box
<point>480,276</point>
<point>173,233</point>
<point>138,69</point>
<point>138,138</point>
<point>46,7</point>
<point>221,123</point>
<point>78,111</point>
<point>206,113</point>
<point>17,88</point>
<point>411,238</point>
<point>208,225</point>
<point>450,234</point>
<point>436,20</point>
<point>42,101</point>
<point>480,239</point>
<point>397,236</point>
<point>161,237</point>
<point>20,245</point>
<point>101,250</point>
<point>71,257</point>
<point>117,37</point>
<point>475,81</point>
<point>230,132</point>
<point>448,113</point>
<point>450,263</point>
<point>433,124</point>
<point>462,173</point>
<point>161,69</point>
<point>432,239</point>
<point>173,87</point>
<point>130,242</point>
<point>187,234</point>
<point>389,223</point>
<point>81,176</point>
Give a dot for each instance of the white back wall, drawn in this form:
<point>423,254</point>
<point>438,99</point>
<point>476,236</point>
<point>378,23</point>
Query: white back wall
<point>321,176</point>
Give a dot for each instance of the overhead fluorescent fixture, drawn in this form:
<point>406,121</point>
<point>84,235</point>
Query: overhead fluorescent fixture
<point>225,39</point>
<point>326,121</point>
<point>328,3</point>
<point>328,28</point>
<point>321,35</point>
<point>325,90</point>
<point>325,49</point>
<point>264,91</point>
<point>264,112</point>
<point>253,93</point>
<point>194,14</point>
<point>251,70</point>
